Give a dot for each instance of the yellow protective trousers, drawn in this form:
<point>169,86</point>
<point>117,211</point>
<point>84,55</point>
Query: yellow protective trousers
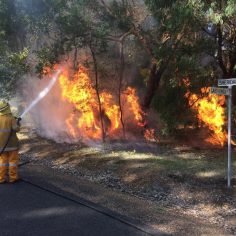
<point>9,161</point>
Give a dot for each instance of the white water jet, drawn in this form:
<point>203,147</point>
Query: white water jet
<point>42,94</point>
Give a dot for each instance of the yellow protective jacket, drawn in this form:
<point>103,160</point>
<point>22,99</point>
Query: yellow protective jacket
<point>8,125</point>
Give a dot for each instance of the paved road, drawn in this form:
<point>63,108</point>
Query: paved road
<point>28,210</point>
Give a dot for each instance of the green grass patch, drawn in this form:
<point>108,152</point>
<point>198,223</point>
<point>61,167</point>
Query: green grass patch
<point>210,166</point>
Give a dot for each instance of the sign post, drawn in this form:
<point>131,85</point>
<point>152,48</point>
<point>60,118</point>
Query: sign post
<point>229,83</point>
<point>229,136</point>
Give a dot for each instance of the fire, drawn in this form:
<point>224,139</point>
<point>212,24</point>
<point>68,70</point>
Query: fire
<point>210,111</point>
<point>82,95</point>
<point>112,110</point>
<point>85,122</point>
<point>150,136</point>
<point>135,108</point>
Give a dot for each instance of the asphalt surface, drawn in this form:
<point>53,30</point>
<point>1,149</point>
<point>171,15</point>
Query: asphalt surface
<point>26,209</point>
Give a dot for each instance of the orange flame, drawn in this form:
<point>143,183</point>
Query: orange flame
<point>80,93</point>
<point>211,112</point>
<point>112,111</point>
<point>150,136</point>
<point>85,120</point>
<point>132,100</point>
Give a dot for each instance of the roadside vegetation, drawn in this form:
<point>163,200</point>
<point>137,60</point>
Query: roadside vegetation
<point>152,45</point>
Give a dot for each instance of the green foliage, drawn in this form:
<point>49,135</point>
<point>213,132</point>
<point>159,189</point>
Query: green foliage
<point>17,61</point>
<point>12,61</point>
<point>218,21</point>
<point>12,67</point>
<point>171,105</point>
<point>230,9</point>
<point>47,57</point>
<point>70,26</point>
<point>119,16</point>
<point>7,24</point>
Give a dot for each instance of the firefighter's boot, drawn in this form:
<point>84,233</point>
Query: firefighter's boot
<point>13,166</point>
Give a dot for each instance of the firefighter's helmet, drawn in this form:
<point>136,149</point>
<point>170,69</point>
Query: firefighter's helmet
<point>4,107</point>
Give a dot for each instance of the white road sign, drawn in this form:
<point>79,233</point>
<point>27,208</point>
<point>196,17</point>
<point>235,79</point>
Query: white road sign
<point>227,82</point>
<point>220,91</point>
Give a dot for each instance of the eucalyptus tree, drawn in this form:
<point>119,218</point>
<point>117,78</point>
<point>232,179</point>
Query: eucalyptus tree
<point>163,28</point>
<point>218,22</point>
<point>168,33</point>
<point>13,54</point>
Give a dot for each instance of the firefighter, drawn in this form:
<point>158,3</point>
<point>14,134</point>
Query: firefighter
<point>9,145</point>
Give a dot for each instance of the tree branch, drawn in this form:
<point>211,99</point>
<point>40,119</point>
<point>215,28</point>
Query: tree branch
<point>118,39</point>
<point>220,54</point>
<point>144,40</point>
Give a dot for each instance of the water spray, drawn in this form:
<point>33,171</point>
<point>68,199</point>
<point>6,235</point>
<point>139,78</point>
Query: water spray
<point>41,95</point>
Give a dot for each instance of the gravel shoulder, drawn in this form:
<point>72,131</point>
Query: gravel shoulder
<point>176,189</point>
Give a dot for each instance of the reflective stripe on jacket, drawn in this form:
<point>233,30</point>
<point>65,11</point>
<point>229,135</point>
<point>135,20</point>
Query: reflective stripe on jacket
<point>7,125</point>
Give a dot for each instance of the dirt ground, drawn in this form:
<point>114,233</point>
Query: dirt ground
<point>186,185</point>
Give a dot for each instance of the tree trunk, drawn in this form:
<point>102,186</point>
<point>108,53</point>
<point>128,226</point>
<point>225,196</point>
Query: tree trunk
<point>75,62</point>
<point>120,42</point>
<point>97,92</point>
<point>121,74</point>
<point>153,84</point>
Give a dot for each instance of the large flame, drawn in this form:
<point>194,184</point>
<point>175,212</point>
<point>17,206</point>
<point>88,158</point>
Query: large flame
<point>210,111</point>
<point>81,94</point>
<point>130,97</point>
<point>85,122</point>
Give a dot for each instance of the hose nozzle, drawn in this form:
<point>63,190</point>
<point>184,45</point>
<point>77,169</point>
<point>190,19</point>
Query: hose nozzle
<point>18,120</point>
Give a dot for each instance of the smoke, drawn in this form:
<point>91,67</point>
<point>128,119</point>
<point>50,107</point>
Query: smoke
<point>48,116</point>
